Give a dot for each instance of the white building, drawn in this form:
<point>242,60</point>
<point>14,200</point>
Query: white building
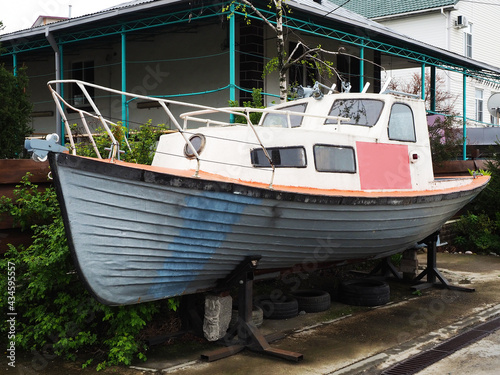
<point>467,28</point>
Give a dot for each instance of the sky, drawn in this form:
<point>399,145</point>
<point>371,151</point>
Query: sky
<point>21,14</point>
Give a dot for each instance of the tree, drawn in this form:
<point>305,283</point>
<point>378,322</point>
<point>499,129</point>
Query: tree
<point>445,101</point>
<point>15,112</point>
<point>282,63</point>
<point>444,134</point>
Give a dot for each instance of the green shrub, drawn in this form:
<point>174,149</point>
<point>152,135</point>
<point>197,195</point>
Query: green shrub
<point>142,142</point>
<point>15,112</point>
<point>255,103</point>
<point>478,233</point>
<point>488,201</point>
<point>55,313</point>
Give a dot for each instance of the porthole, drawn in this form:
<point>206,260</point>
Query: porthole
<point>198,141</point>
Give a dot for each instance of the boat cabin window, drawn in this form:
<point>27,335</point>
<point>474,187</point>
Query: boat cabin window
<point>330,158</point>
<point>280,120</point>
<point>283,157</point>
<point>401,123</point>
<point>364,112</point>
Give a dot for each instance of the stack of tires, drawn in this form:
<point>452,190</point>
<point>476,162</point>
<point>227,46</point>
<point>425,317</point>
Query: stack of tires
<point>364,292</point>
<point>285,307</point>
<point>312,300</point>
<point>257,316</point>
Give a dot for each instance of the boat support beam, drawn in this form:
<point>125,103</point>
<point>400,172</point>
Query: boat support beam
<point>386,269</point>
<point>248,335</point>
<point>432,272</point>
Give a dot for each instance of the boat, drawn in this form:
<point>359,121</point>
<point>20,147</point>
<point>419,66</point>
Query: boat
<point>325,179</point>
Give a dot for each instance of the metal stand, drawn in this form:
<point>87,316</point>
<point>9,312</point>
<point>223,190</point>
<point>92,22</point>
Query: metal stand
<point>386,268</point>
<point>432,272</point>
<point>249,336</point>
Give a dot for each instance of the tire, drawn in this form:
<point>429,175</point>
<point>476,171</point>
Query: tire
<point>257,316</point>
<point>365,292</point>
<point>311,300</point>
<point>283,308</point>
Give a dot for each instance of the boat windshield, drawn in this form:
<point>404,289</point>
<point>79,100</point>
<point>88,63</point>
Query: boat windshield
<point>364,112</point>
<point>281,119</point>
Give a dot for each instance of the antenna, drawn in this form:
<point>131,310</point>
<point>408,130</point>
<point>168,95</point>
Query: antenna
<point>69,11</point>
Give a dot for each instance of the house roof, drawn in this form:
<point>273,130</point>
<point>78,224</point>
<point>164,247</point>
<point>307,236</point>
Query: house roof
<point>44,20</point>
<point>355,28</point>
<point>381,8</point>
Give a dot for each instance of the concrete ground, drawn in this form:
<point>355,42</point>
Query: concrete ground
<point>349,340</point>
<point>353,340</point>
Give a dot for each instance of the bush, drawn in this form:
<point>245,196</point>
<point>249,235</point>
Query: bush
<point>142,142</point>
<point>488,201</point>
<point>55,313</point>
<point>15,113</point>
<point>255,103</point>
<point>478,233</point>
<point>445,139</point>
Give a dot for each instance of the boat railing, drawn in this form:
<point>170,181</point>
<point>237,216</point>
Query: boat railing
<point>246,111</point>
<point>61,103</point>
<point>191,116</point>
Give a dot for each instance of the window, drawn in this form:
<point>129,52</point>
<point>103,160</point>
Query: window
<point>401,123</point>
<point>281,119</point>
<point>493,120</point>
<point>281,157</point>
<point>363,112</point>
<point>83,71</point>
<point>479,105</point>
<point>301,74</point>
<point>330,158</point>
<point>468,41</point>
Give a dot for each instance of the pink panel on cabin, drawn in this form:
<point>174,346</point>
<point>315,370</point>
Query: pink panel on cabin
<point>383,166</point>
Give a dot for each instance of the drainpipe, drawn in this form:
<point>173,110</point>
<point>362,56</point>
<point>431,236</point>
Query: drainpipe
<point>58,59</point>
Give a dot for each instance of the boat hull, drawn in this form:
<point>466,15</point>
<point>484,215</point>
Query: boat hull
<point>139,235</point>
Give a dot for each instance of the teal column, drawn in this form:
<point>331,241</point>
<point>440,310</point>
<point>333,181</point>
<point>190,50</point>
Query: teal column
<point>464,116</point>
<point>361,67</point>
<point>124,78</point>
<point>232,56</point>
<point>422,74</point>
<point>14,63</point>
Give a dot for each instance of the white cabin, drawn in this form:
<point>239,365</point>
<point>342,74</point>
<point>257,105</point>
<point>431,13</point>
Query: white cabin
<point>353,142</point>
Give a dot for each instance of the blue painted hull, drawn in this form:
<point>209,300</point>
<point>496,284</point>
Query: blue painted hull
<point>139,236</point>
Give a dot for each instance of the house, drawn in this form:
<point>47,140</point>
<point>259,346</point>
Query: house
<point>193,51</point>
<point>45,20</point>
<point>466,28</point>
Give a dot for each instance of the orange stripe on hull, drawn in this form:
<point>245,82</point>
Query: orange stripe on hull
<point>474,183</point>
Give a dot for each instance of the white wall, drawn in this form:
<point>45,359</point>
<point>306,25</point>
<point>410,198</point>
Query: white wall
<point>438,29</point>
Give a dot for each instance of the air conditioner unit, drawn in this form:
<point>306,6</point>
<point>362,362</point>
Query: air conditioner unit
<point>461,22</point>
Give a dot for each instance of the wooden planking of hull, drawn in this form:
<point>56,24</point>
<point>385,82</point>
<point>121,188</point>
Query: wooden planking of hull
<point>138,234</point>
